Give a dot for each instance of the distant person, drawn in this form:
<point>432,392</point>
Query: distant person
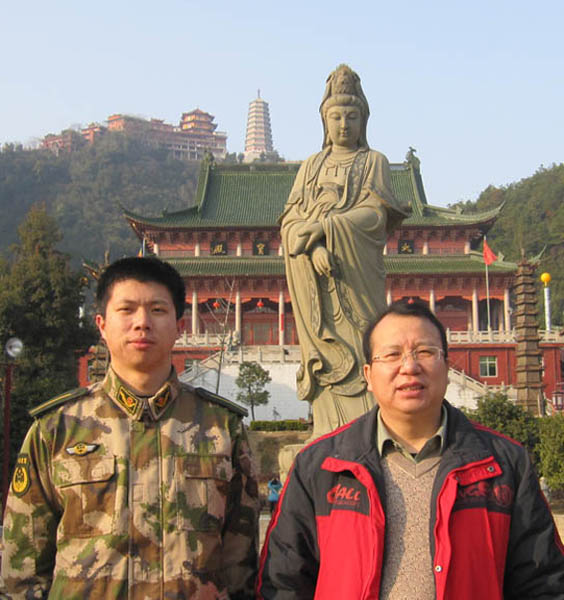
<point>138,486</point>
<point>274,487</point>
<point>411,500</point>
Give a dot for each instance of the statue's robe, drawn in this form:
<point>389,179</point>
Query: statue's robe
<point>331,313</point>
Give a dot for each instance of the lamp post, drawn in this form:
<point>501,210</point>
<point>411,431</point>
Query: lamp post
<point>12,349</point>
<point>546,278</point>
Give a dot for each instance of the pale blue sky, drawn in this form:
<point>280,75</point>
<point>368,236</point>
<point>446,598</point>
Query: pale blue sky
<point>476,87</point>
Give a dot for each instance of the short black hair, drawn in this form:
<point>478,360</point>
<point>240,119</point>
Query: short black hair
<point>143,269</point>
<point>404,308</point>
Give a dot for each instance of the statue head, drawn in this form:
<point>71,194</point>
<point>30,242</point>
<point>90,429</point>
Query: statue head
<point>343,89</point>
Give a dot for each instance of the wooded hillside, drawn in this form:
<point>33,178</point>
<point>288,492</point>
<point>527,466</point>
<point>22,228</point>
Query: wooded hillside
<point>84,190</point>
<point>533,219</point>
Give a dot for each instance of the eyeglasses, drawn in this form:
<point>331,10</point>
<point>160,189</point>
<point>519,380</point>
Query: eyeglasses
<point>423,355</point>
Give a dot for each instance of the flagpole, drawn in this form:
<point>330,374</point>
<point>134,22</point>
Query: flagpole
<point>487,291</point>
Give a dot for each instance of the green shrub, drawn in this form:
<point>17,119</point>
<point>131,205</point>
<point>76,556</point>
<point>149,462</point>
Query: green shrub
<point>551,450</point>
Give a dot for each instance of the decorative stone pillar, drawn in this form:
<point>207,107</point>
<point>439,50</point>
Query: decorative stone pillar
<point>529,383</point>
<point>238,315</point>
<point>281,318</point>
<point>432,300</point>
<point>506,313</point>
<point>475,317</point>
<point>195,312</point>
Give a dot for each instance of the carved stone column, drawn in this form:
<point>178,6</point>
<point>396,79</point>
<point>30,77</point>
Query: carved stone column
<point>528,355</point>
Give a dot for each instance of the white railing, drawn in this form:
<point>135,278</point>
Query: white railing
<point>480,388</point>
<point>498,337</point>
<point>453,337</point>
<point>264,354</point>
<point>207,339</point>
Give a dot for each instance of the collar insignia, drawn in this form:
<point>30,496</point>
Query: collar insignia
<point>21,480</point>
<point>128,400</point>
<point>80,448</point>
<point>162,400</point>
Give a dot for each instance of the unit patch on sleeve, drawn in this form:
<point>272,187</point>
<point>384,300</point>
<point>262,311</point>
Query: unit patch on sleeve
<point>20,480</point>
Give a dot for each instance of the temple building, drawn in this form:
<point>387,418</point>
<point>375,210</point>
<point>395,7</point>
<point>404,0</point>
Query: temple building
<point>258,140</point>
<point>191,139</point>
<point>228,248</point>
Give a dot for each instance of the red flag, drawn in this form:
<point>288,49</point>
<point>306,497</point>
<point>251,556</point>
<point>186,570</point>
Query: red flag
<point>489,256</point>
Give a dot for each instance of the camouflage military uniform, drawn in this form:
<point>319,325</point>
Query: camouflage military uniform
<point>115,496</point>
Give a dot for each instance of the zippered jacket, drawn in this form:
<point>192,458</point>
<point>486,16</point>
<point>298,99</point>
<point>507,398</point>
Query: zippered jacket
<point>492,535</point>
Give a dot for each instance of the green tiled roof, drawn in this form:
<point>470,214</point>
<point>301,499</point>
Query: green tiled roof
<point>237,266</point>
<point>251,196</point>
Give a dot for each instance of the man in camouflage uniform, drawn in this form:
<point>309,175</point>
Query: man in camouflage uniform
<point>136,487</point>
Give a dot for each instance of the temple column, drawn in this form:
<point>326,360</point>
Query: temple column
<point>506,314</point>
<point>281,318</point>
<point>432,300</point>
<point>194,312</point>
<point>475,319</point>
<point>238,315</point>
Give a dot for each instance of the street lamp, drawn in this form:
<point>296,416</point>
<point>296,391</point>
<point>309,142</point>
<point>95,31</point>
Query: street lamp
<point>546,278</point>
<point>12,349</point>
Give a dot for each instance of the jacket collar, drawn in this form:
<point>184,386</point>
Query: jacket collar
<point>463,444</point>
<point>132,404</point>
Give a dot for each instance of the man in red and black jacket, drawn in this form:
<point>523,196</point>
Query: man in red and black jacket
<point>412,500</point>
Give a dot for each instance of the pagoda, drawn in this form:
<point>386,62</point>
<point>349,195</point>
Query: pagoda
<point>258,139</point>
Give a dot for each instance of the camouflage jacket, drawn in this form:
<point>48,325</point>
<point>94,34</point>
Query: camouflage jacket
<point>115,496</point>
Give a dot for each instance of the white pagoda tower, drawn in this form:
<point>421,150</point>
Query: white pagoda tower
<point>259,134</point>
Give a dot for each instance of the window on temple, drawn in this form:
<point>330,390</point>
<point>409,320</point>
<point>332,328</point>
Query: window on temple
<point>488,366</point>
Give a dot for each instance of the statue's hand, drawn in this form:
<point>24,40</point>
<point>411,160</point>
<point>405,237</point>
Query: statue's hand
<point>306,238</point>
<point>298,245</point>
<point>321,260</point>
<point>315,233</point>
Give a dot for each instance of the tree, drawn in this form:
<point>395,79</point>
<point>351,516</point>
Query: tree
<point>251,381</point>
<point>552,451</point>
<point>498,412</point>
<point>40,299</point>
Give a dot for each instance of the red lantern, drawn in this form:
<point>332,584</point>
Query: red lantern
<point>260,303</point>
<point>216,304</point>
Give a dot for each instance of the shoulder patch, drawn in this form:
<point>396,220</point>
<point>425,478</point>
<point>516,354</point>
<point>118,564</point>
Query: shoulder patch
<point>58,400</point>
<point>232,406</point>
<point>20,479</point>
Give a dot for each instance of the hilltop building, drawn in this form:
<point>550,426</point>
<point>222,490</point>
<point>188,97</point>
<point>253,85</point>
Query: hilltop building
<point>190,140</point>
<point>258,140</point>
